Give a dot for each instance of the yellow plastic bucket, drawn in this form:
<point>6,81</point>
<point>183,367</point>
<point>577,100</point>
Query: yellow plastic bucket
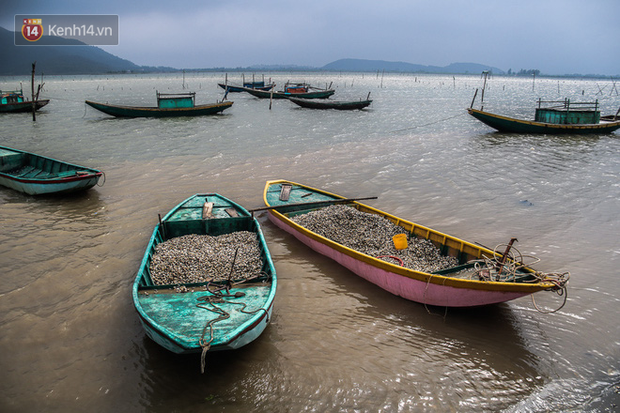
<point>400,241</point>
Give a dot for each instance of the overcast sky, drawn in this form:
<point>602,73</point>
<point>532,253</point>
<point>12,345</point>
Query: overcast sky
<point>554,36</point>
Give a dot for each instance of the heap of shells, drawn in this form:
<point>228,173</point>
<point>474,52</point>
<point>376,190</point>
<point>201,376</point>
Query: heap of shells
<point>372,234</point>
<point>204,258</point>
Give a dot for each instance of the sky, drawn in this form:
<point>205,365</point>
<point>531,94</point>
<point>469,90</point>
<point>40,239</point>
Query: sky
<point>554,36</point>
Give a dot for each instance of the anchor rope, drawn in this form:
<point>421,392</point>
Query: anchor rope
<point>429,124</point>
<point>208,302</point>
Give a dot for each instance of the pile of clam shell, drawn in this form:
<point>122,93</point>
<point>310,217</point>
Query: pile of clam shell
<point>372,234</point>
<point>203,258</point>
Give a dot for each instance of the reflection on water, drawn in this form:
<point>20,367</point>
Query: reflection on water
<point>71,339</point>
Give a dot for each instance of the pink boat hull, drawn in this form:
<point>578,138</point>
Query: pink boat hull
<point>408,288</point>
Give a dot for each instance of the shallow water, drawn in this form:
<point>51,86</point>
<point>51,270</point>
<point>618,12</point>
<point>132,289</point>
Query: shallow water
<point>71,340</point>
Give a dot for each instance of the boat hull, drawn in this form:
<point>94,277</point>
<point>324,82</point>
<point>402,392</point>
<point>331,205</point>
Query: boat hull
<point>153,112</point>
<point>326,104</point>
<point>512,125</point>
<point>39,175</point>
<point>319,94</point>
<point>427,288</point>
<point>238,89</point>
<point>178,320</point>
<point>22,106</point>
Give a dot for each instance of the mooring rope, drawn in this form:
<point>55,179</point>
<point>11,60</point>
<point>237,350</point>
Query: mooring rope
<point>513,265</point>
<point>209,305</point>
<point>428,124</point>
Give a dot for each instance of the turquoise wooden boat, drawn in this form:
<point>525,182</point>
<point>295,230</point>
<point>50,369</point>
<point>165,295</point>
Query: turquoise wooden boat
<point>478,275</point>
<point>331,104</point>
<point>298,90</point>
<point>168,105</point>
<point>193,317</point>
<point>14,102</point>
<point>562,117</point>
<point>39,175</point>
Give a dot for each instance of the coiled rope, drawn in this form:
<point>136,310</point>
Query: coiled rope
<point>491,269</point>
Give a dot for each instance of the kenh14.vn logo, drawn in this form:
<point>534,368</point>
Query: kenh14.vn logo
<point>32,29</point>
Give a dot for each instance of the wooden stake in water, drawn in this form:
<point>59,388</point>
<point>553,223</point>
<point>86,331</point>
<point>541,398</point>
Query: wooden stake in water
<point>34,103</point>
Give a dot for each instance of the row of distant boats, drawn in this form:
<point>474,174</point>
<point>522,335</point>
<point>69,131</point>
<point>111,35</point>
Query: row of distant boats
<point>555,117</point>
<point>223,315</point>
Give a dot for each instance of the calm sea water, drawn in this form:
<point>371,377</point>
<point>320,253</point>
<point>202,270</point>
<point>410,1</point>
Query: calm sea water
<point>71,340</point>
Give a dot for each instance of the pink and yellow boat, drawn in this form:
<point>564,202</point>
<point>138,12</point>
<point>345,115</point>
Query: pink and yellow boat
<point>480,276</point>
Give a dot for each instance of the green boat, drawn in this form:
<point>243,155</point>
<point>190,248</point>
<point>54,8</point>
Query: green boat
<point>562,117</point>
<point>168,105</point>
<point>205,295</point>
<point>34,174</point>
<point>300,90</point>
<point>331,104</point>
<point>13,102</point>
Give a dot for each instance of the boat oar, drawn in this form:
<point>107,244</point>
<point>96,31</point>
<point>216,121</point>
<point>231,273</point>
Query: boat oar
<point>312,204</point>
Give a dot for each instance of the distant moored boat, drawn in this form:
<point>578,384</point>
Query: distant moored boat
<point>168,105</point>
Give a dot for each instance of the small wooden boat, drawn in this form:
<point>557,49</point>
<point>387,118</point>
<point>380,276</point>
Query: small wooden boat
<point>479,276</point>
<point>14,102</point>
<point>560,118</point>
<point>299,90</point>
<point>258,85</point>
<point>168,105</point>
<point>38,175</point>
<point>191,315</point>
<point>331,104</point>
<point>254,84</point>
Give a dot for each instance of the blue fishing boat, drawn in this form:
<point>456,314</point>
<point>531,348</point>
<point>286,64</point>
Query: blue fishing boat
<point>39,175</point>
<point>216,300</point>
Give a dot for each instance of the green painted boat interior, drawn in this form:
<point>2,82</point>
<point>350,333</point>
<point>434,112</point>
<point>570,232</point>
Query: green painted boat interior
<point>174,101</point>
<point>561,113</point>
<point>11,97</point>
<point>183,317</point>
<point>30,166</point>
<point>562,117</point>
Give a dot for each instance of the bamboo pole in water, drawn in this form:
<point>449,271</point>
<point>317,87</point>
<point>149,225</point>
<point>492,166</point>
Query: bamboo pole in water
<point>34,103</point>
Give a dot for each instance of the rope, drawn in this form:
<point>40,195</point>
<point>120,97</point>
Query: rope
<point>562,291</point>
<point>217,297</point>
<point>402,264</point>
<point>209,305</point>
<point>428,124</point>
<point>102,174</point>
<point>493,270</point>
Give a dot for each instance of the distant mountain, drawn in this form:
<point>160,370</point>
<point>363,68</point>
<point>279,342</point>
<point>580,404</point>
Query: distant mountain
<point>75,58</point>
<point>362,65</point>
